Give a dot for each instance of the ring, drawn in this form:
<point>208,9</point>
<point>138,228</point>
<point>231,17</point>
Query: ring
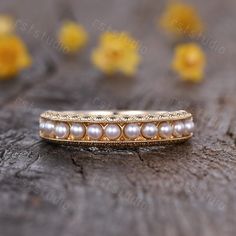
<point>116,127</point>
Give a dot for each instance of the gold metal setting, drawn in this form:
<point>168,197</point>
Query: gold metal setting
<point>120,119</point>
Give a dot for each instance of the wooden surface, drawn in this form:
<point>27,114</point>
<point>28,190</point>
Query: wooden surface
<point>184,190</point>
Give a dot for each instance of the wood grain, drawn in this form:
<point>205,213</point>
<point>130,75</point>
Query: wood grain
<point>180,190</point>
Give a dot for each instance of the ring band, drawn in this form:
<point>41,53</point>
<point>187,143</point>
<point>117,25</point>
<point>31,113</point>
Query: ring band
<point>116,127</point>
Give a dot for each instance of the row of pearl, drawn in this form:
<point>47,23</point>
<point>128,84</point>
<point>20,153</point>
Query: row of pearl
<point>131,131</point>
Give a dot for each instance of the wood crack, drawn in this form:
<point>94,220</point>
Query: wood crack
<point>79,169</point>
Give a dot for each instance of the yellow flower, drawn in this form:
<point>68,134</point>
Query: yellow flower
<point>6,24</point>
<point>13,56</point>
<point>117,52</point>
<point>181,20</point>
<point>72,36</point>
<point>189,62</point>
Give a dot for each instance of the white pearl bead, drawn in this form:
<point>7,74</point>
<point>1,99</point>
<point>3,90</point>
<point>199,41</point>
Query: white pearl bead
<point>94,131</point>
<point>49,128</point>
<point>41,125</point>
<point>178,129</point>
<point>149,130</point>
<point>165,130</point>
<point>132,131</point>
<point>112,131</point>
<point>62,130</point>
<point>188,127</point>
<point>77,131</point>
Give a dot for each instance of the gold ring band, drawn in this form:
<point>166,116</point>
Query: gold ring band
<point>116,127</point>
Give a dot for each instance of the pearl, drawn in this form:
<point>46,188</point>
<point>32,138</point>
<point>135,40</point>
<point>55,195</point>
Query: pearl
<point>77,131</point>
<point>49,128</point>
<point>41,125</point>
<point>112,131</point>
<point>165,130</point>
<point>94,131</point>
<point>149,130</point>
<point>178,129</point>
<point>62,130</point>
<point>188,127</point>
<point>132,131</point>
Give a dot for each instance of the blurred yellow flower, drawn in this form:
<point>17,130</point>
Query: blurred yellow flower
<point>181,20</point>
<point>189,62</point>
<point>6,24</point>
<point>13,56</point>
<point>117,52</point>
<point>72,36</point>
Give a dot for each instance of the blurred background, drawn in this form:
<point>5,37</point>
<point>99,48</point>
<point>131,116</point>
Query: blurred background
<point>56,79</point>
